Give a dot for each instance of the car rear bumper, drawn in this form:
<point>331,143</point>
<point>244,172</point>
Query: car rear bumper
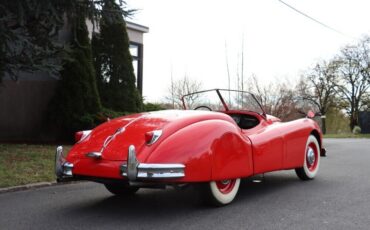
<point>63,168</point>
<point>134,170</point>
<point>131,170</point>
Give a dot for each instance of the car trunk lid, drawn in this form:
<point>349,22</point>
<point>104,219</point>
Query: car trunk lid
<point>113,138</point>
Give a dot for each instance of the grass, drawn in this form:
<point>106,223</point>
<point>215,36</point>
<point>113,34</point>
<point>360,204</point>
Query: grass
<point>24,164</point>
<point>347,135</point>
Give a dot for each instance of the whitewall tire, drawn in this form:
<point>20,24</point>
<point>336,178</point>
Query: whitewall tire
<point>311,162</point>
<point>220,193</point>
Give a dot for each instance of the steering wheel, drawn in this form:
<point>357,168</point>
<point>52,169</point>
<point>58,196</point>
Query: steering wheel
<point>203,106</point>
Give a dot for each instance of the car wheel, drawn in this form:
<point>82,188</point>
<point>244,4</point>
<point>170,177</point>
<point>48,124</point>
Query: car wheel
<point>311,161</point>
<point>119,189</point>
<point>220,193</point>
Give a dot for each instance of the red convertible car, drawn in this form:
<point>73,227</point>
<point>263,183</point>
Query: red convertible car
<point>220,137</point>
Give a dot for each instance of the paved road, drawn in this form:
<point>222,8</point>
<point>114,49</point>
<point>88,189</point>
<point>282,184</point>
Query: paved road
<point>339,198</point>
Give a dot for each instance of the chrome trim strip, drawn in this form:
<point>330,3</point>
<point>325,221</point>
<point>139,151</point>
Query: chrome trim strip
<point>96,155</point>
<point>120,130</point>
<point>133,169</point>
<point>161,166</point>
<point>160,170</point>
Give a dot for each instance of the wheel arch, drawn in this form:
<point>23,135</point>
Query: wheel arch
<point>317,135</point>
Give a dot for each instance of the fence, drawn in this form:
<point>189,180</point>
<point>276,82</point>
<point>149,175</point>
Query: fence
<point>23,107</point>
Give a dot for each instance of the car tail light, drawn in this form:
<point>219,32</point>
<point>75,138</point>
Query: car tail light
<point>152,136</point>
<point>81,135</point>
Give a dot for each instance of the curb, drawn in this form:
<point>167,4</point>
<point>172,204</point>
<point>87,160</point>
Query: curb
<point>34,186</point>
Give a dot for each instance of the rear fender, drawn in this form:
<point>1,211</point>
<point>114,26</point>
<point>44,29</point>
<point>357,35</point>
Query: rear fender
<point>232,157</point>
<point>210,150</point>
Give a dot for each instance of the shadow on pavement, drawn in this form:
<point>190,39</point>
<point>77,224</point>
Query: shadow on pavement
<point>154,205</point>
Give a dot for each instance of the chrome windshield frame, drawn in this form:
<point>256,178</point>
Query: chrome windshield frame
<point>222,99</point>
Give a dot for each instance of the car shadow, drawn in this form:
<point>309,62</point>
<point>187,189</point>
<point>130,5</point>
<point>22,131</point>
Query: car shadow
<point>266,184</point>
<point>172,204</point>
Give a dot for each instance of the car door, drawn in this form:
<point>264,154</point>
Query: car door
<point>267,146</point>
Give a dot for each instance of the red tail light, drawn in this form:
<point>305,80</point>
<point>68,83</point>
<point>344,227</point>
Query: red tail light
<point>81,135</point>
<point>152,136</point>
<point>148,137</point>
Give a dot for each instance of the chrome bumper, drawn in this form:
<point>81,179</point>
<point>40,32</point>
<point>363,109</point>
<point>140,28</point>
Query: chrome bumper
<point>134,170</point>
<point>63,169</point>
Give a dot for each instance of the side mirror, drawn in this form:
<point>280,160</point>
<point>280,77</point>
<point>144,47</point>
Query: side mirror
<point>310,114</point>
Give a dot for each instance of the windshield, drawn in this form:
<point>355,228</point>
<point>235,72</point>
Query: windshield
<point>222,100</point>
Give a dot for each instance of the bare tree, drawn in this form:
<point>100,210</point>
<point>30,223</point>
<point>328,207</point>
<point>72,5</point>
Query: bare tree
<point>181,87</point>
<point>354,77</point>
<point>242,63</point>
<point>227,67</point>
<point>172,90</point>
<point>228,71</point>
<point>366,102</point>
<point>277,99</point>
<point>317,87</point>
<point>240,67</point>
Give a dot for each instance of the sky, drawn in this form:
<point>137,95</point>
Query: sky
<point>197,38</point>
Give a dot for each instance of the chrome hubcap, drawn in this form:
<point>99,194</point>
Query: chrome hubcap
<point>225,182</point>
<point>310,156</point>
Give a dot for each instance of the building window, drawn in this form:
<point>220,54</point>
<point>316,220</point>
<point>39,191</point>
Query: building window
<point>137,62</point>
<point>134,50</point>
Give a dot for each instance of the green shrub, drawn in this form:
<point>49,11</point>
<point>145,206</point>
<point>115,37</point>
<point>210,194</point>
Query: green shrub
<point>76,104</point>
<point>113,62</point>
<point>152,107</point>
<point>2,59</point>
<point>108,113</point>
<point>336,122</point>
<point>356,130</point>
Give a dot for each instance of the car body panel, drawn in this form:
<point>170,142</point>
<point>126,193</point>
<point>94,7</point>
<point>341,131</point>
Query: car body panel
<point>211,145</point>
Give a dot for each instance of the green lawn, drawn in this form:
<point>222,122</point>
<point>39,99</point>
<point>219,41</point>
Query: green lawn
<point>347,135</point>
<point>23,164</point>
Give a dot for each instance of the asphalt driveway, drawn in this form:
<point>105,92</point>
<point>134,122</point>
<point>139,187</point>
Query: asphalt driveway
<point>339,198</point>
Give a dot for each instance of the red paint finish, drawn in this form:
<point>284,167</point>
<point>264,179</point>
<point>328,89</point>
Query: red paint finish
<point>268,148</point>
<point>232,156</point>
<point>97,168</point>
<point>210,145</point>
<point>296,136</point>
<point>211,152</point>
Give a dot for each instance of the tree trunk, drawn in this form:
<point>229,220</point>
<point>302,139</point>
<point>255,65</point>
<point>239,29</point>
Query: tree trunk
<point>353,121</point>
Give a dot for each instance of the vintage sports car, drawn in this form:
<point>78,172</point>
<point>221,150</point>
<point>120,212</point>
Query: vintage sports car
<point>220,137</point>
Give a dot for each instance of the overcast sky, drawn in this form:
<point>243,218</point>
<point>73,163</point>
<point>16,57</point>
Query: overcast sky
<point>189,37</point>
